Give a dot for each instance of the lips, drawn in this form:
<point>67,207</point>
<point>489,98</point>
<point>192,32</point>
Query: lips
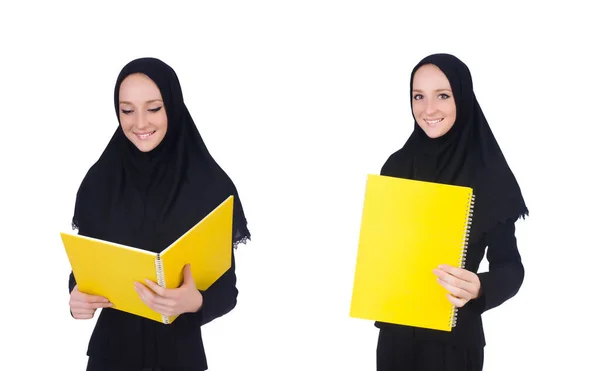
<point>144,136</point>
<point>433,122</point>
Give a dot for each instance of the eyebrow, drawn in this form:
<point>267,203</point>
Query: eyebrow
<point>436,90</point>
<point>148,101</point>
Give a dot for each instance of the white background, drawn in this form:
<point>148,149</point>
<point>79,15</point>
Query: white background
<point>298,101</point>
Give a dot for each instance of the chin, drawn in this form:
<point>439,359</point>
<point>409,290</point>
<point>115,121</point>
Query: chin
<point>434,132</point>
<point>431,133</point>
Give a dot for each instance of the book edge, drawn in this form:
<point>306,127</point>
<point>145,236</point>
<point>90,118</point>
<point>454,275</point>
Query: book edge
<point>194,226</point>
<point>108,243</point>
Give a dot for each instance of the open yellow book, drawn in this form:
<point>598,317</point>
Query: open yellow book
<point>109,269</point>
<point>408,228</point>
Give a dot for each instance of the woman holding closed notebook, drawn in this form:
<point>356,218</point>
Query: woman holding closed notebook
<point>154,181</point>
<point>452,143</point>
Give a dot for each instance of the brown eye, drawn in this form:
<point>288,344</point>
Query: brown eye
<point>444,96</point>
<point>417,97</point>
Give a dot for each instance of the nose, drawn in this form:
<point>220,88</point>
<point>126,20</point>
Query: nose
<point>140,121</point>
<point>431,107</point>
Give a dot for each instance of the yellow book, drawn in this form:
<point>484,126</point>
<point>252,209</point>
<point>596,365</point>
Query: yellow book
<point>109,269</point>
<point>408,228</point>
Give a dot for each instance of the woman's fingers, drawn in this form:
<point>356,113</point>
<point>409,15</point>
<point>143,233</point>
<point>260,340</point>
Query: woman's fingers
<point>153,300</point>
<point>84,301</point>
<point>90,304</point>
<point>80,296</point>
<point>455,291</point>
<point>464,284</point>
<point>459,302</point>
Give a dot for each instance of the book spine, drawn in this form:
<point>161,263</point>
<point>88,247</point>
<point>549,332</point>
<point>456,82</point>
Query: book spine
<point>465,246</point>
<point>160,278</point>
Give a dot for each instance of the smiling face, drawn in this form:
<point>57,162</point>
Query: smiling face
<point>432,101</point>
<point>141,112</point>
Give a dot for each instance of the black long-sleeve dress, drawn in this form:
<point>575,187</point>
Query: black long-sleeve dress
<point>408,348</point>
<point>125,342</point>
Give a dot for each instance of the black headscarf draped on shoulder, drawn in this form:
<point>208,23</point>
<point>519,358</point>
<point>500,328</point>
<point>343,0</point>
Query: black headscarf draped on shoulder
<point>467,155</point>
<point>149,199</point>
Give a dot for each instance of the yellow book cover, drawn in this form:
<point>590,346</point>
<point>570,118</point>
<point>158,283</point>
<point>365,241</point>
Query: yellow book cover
<point>408,228</point>
<point>109,269</point>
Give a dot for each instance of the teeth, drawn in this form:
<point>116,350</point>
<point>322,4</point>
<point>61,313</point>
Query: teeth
<point>144,136</point>
<point>433,122</point>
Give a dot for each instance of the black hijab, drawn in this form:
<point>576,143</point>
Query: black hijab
<point>149,199</point>
<point>467,155</point>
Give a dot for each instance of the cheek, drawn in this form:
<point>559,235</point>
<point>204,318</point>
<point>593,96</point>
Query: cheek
<point>161,121</point>
<point>450,114</point>
<point>126,122</point>
<point>448,106</point>
<point>450,122</point>
<point>417,111</point>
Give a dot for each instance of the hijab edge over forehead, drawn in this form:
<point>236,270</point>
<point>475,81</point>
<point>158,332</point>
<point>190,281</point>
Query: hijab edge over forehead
<point>159,72</point>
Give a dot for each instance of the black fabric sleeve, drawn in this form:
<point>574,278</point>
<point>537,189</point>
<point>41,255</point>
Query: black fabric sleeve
<point>506,272</point>
<point>220,298</point>
<point>72,282</point>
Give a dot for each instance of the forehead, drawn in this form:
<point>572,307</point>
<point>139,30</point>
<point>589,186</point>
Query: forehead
<point>430,76</point>
<point>138,87</point>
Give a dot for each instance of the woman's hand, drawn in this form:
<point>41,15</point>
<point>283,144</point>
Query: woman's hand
<point>462,285</point>
<point>83,306</point>
<point>172,302</point>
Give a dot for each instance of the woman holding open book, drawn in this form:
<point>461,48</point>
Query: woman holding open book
<point>153,182</point>
<point>452,143</point>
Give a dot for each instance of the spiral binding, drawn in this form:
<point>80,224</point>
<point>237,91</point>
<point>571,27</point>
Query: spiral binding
<point>161,280</point>
<point>465,246</point>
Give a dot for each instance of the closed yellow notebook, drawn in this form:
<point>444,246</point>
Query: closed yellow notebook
<point>108,269</point>
<point>408,228</point>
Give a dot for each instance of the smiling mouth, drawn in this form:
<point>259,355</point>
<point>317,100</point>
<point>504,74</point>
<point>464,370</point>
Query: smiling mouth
<point>144,136</point>
<point>433,122</point>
